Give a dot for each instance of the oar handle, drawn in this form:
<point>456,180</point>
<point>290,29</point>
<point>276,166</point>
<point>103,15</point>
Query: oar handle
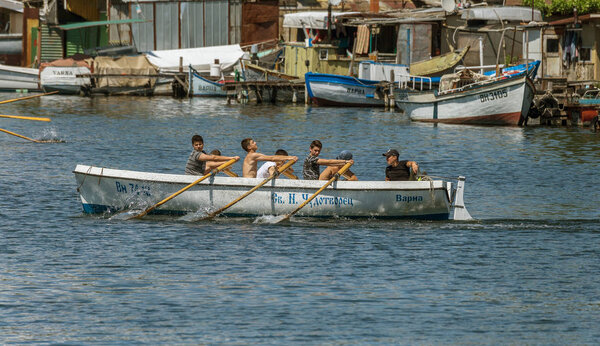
<point>334,178</point>
<point>28,97</point>
<point>20,136</point>
<point>285,167</point>
<point>215,171</point>
<point>24,118</point>
<point>246,194</point>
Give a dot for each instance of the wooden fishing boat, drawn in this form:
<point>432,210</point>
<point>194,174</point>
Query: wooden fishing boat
<point>202,86</point>
<point>337,90</point>
<point>497,101</point>
<point>109,190</point>
<point>19,78</point>
<point>348,91</point>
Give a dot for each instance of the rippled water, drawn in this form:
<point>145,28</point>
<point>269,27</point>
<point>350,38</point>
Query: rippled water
<point>524,272</point>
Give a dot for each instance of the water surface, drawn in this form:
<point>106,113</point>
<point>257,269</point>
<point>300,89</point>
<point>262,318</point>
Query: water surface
<point>524,272</point>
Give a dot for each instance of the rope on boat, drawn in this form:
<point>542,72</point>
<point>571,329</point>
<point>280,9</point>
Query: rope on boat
<point>85,176</point>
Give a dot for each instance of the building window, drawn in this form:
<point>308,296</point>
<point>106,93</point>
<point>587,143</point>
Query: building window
<point>552,45</point>
<point>585,54</point>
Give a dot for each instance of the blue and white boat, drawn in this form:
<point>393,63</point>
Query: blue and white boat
<point>202,86</point>
<point>108,190</point>
<point>337,90</point>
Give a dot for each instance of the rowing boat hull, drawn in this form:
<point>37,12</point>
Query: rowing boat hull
<point>503,102</point>
<point>107,190</point>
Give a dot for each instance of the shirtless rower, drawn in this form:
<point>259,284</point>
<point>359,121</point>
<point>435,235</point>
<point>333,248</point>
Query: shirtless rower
<point>250,165</point>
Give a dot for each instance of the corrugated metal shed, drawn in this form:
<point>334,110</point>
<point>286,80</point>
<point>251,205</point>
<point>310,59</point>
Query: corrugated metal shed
<point>192,29</point>
<point>183,24</point>
<point>235,21</point>
<point>167,25</point>
<point>52,46</point>
<point>216,23</point>
<point>143,34</point>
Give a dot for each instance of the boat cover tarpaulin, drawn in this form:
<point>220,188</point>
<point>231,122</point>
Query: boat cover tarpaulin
<point>199,58</point>
<point>310,20</point>
<point>68,62</point>
<point>127,65</point>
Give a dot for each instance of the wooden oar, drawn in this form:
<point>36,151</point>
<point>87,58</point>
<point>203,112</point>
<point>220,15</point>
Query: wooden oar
<point>274,175</point>
<point>24,118</point>
<point>229,173</point>
<point>329,182</point>
<point>289,175</point>
<point>28,97</point>
<point>20,136</point>
<point>215,171</point>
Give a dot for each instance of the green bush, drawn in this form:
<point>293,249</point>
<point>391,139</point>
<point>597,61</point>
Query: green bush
<point>565,7</point>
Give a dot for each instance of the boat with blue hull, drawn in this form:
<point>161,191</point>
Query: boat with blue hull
<point>337,90</point>
<point>202,86</point>
<point>109,190</point>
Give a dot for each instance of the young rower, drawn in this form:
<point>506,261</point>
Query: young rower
<point>196,164</point>
<point>311,169</point>
<point>250,165</point>
<point>269,167</point>
<point>330,171</point>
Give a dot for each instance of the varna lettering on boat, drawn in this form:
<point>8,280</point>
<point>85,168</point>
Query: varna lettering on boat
<point>409,199</point>
<point>293,198</point>
<point>355,91</point>
<point>494,95</point>
<point>133,188</point>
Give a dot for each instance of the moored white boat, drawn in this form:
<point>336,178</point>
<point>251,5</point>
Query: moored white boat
<point>64,79</point>
<point>502,101</point>
<point>16,78</point>
<point>201,86</point>
<point>109,190</point>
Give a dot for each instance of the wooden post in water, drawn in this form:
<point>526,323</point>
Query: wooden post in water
<point>180,64</point>
<point>392,101</point>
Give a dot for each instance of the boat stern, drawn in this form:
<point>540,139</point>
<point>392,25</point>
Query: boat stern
<point>460,210</point>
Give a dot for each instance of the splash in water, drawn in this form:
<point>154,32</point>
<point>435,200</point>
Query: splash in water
<point>50,135</point>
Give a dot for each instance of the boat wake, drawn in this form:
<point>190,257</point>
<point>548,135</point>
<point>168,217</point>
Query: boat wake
<point>269,219</point>
<point>196,216</point>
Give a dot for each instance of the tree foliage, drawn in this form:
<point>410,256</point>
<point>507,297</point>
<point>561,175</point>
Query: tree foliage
<point>565,7</point>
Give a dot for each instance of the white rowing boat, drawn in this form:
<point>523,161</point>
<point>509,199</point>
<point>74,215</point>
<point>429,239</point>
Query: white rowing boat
<point>109,190</point>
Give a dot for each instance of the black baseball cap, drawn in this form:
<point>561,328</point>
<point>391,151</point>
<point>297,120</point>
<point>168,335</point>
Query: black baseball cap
<point>391,152</point>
